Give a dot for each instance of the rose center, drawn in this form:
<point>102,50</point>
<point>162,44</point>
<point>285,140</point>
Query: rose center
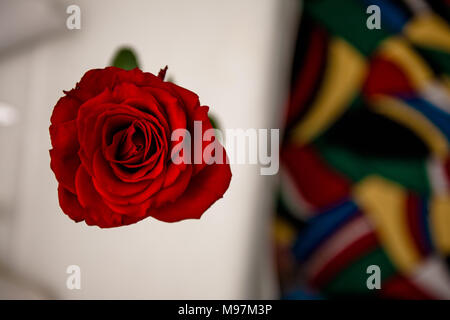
<point>135,143</point>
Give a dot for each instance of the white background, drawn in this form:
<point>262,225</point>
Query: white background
<point>236,55</point>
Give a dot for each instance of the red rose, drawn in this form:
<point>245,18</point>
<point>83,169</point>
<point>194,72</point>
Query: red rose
<point>111,155</point>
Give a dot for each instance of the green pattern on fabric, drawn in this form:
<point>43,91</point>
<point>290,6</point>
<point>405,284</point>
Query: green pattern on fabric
<point>353,278</point>
<point>410,173</point>
<point>440,59</point>
<point>351,26</point>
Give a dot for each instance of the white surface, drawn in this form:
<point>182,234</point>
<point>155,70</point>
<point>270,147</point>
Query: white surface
<point>235,54</point>
<point>23,21</point>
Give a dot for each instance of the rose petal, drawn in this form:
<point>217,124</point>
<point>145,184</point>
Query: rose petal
<point>66,109</point>
<point>64,160</point>
<point>70,205</point>
<point>97,213</point>
<point>117,191</point>
<point>64,167</point>
<point>203,190</point>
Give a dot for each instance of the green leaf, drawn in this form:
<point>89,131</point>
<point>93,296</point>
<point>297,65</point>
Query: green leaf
<point>213,121</point>
<point>125,59</point>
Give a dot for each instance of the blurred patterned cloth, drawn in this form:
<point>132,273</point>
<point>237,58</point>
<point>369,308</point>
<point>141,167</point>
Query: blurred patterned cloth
<point>365,176</point>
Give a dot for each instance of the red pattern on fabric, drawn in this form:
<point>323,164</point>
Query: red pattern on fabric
<point>399,287</point>
<point>309,73</point>
<point>344,258</point>
<point>447,169</point>
<point>314,179</point>
<point>385,77</point>
<point>413,219</point>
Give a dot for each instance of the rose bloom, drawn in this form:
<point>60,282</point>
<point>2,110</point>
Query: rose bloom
<point>111,139</point>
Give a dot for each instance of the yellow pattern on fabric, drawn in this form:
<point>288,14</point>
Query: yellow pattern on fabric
<point>397,50</point>
<point>440,222</point>
<point>400,112</point>
<point>283,232</point>
<point>429,30</point>
<point>384,202</point>
<point>344,77</point>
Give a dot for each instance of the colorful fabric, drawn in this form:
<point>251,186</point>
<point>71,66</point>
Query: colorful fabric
<point>365,175</point>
